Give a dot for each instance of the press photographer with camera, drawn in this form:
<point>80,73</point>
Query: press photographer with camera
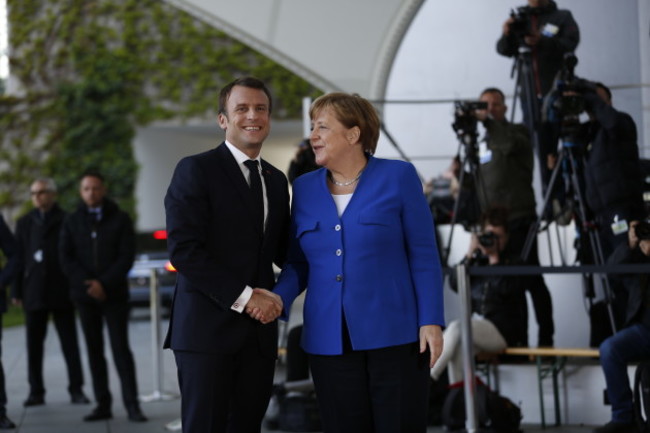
<point>612,172</point>
<point>549,32</point>
<point>505,179</point>
<point>632,342</point>
<point>500,315</point>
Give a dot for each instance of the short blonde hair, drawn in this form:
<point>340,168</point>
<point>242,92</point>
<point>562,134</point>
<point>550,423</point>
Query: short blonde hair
<point>351,110</point>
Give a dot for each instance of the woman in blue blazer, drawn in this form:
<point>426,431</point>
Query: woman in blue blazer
<point>363,243</point>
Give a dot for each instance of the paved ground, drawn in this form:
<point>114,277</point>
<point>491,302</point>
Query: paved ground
<point>59,416</point>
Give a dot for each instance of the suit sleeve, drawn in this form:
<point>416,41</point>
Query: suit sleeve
<point>188,214</point>
<point>423,257</point>
<point>8,245</point>
<point>114,275</point>
<point>17,286</point>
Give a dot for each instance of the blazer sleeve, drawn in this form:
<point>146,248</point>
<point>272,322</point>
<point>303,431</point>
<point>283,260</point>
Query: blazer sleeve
<point>188,214</point>
<point>423,256</point>
<point>293,278</point>
<point>114,275</point>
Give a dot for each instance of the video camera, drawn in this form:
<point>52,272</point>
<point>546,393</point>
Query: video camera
<point>642,230</point>
<point>566,99</point>
<point>520,25</point>
<point>465,121</point>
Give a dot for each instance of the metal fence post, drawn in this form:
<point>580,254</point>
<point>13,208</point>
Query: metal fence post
<point>467,343</point>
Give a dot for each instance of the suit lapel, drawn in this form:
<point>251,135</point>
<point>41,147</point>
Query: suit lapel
<point>234,173</point>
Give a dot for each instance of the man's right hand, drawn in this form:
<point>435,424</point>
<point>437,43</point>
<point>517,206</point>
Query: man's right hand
<point>264,306</point>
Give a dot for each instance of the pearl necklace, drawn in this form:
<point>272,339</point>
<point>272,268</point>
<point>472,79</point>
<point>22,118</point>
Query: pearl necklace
<point>356,179</point>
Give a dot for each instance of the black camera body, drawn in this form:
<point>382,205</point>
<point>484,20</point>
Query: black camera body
<point>567,100</point>
<point>520,25</point>
<point>642,230</point>
<point>487,239</point>
<point>464,120</point>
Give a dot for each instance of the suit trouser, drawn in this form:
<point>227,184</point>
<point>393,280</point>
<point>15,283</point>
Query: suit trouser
<point>3,391</point>
<point>373,391</point>
<point>535,284</point>
<point>225,392</point>
<point>116,316</point>
<point>64,322</point>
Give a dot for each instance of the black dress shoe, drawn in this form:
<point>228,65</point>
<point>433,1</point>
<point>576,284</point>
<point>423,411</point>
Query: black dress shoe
<point>78,397</point>
<point>136,415</point>
<point>98,415</point>
<point>34,400</point>
<point>6,423</point>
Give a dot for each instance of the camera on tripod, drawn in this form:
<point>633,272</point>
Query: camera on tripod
<point>520,25</point>
<point>567,99</point>
<point>465,121</point>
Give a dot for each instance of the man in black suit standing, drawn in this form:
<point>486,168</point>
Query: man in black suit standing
<point>97,249</point>
<point>42,290</point>
<point>227,222</point>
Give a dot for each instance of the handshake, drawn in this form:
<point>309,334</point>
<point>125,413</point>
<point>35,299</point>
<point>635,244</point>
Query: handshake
<point>264,306</point>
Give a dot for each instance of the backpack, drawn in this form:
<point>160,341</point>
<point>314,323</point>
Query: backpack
<point>642,397</point>
<point>495,413</point>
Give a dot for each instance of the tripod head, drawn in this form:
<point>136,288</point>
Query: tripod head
<point>465,126</point>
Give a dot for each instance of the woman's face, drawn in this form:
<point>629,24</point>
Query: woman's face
<point>331,140</point>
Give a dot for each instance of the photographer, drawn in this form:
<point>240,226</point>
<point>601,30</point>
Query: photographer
<point>548,31</point>
<point>500,316</point>
<point>506,177</point>
<point>632,343</point>
<point>612,173</point>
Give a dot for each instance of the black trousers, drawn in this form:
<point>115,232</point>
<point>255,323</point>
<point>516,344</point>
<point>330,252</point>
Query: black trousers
<point>64,322</point>
<point>225,392</point>
<point>3,391</point>
<point>535,284</point>
<point>116,316</point>
<point>373,391</point>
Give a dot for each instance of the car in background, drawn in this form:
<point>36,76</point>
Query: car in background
<point>140,279</point>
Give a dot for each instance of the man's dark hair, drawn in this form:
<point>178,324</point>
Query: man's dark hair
<point>605,88</point>
<point>250,82</point>
<point>92,173</point>
<point>495,216</point>
<point>494,90</point>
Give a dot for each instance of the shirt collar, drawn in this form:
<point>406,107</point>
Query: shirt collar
<point>240,156</point>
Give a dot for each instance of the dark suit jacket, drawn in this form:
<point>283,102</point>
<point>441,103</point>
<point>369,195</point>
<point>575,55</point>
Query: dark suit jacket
<point>217,250</point>
<point>7,274</point>
<point>41,284</point>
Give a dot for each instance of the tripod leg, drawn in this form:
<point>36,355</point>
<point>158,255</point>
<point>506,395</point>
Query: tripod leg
<point>594,239</point>
<point>533,230</point>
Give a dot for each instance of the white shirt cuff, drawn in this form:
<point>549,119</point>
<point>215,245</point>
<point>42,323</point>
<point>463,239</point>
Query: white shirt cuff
<point>243,299</point>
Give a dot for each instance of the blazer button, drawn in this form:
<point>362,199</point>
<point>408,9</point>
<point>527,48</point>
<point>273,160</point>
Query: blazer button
<point>339,252</point>
<point>337,227</point>
<point>339,277</point>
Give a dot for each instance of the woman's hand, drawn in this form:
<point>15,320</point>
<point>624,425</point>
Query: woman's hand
<point>431,335</point>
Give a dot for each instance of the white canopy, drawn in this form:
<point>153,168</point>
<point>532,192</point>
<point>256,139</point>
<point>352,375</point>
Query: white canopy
<point>346,45</point>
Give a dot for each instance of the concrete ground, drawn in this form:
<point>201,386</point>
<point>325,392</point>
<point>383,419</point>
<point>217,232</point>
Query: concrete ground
<point>161,403</point>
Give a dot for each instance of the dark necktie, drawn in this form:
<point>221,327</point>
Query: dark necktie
<point>256,192</point>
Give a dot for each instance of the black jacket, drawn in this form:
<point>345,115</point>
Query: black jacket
<point>638,286</point>
<point>612,173</point>
<point>502,301</point>
<point>102,250</point>
<point>41,284</point>
<point>7,274</point>
<point>560,35</point>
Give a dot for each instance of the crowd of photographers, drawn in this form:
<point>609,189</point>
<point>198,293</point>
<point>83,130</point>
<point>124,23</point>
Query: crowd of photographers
<point>591,172</point>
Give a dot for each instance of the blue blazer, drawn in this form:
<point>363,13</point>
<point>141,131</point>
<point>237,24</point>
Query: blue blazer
<point>377,264</point>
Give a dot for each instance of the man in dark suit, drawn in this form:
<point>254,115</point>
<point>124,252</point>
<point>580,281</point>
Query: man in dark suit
<point>226,227</point>
<point>7,274</point>
<point>96,249</point>
<point>42,290</point>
